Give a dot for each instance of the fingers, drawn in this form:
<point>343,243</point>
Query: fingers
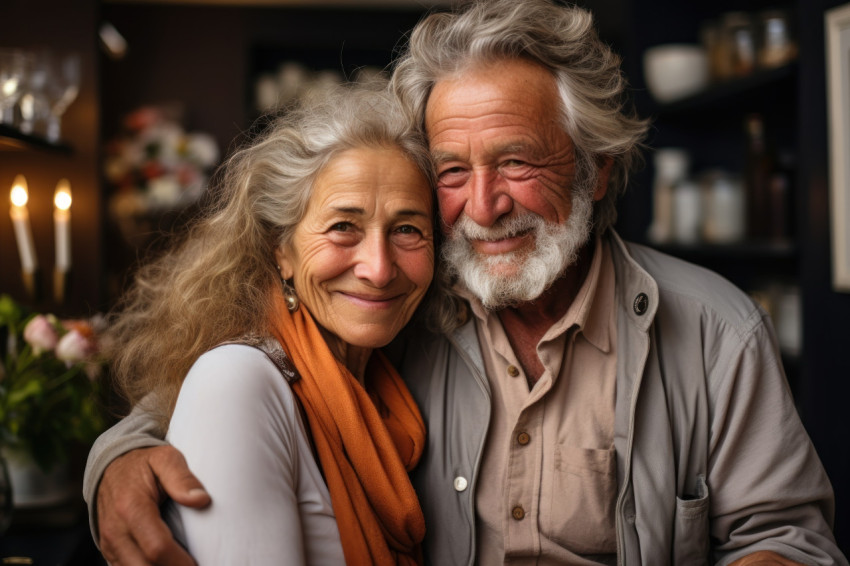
<point>131,529</point>
<point>175,479</point>
<point>149,542</point>
<point>159,547</point>
<point>126,551</point>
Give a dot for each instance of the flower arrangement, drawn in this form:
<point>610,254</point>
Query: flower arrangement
<point>49,387</point>
<point>155,166</point>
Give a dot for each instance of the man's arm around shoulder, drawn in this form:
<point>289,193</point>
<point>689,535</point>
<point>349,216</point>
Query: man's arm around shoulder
<point>130,470</point>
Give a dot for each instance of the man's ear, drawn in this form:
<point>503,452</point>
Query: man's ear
<point>606,163</point>
<point>282,259</point>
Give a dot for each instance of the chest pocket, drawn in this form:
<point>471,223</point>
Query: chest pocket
<point>578,500</point>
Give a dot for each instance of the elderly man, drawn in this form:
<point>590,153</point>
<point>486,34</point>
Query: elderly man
<point>603,404</point>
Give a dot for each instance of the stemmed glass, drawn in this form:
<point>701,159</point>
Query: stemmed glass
<point>13,68</point>
<point>62,89</point>
<point>32,104</point>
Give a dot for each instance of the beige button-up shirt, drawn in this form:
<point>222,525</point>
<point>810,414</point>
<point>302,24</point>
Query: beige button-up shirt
<point>548,481</point>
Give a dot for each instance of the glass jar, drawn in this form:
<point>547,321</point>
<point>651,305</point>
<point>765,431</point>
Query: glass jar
<point>739,43</point>
<point>725,206</point>
<point>777,46</point>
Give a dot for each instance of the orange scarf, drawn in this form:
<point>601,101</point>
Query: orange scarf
<point>365,456</point>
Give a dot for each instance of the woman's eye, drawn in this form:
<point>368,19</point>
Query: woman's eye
<point>408,229</point>
<point>341,227</point>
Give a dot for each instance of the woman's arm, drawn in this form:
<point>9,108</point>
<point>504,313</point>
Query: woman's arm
<point>129,472</point>
<point>238,424</point>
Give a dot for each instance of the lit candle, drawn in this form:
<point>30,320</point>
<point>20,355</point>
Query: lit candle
<point>21,222</point>
<point>62,225</point>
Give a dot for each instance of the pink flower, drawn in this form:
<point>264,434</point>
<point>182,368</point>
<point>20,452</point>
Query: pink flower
<point>74,347</point>
<point>143,118</point>
<point>40,334</point>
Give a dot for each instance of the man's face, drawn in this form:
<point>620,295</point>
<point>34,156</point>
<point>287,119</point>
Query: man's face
<point>506,170</point>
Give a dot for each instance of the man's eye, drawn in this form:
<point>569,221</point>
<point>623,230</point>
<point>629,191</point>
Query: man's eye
<point>452,177</point>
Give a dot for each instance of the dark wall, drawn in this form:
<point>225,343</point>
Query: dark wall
<point>194,57</point>
<point>206,57</point>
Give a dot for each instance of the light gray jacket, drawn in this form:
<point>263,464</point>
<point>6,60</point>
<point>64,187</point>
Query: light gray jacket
<point>713,461</point>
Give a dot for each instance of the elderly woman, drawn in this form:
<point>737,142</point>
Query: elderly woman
<point>259,336</point>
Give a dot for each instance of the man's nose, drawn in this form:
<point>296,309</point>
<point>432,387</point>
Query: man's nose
<point>489,197</point>
<point>375,261</point>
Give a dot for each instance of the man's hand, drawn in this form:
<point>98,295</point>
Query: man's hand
<point>128,498</point>
<point>764,558</point>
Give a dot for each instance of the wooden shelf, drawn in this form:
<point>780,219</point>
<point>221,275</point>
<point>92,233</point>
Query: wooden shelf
<point>737,251</point>
<point>717,96</point>
<point>12,139</point>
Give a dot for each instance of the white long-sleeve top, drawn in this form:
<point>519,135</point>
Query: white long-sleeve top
<point>239,426</point>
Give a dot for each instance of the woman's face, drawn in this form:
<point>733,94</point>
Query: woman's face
<point>362,257</point>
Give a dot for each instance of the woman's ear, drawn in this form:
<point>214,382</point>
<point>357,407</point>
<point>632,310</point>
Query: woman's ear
<point>283,263</point>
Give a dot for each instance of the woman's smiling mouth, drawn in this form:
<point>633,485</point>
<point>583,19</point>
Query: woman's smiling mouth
<point>364,300</point>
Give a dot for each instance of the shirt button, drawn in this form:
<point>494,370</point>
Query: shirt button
<point>513,371</point>
<point>523,438</point>
<point>460,483</point>
<point>518,513</point>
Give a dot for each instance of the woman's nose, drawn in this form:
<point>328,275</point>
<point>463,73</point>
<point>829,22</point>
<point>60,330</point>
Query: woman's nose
<point>375,261</point>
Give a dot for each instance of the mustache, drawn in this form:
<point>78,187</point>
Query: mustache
<point>503,228</point>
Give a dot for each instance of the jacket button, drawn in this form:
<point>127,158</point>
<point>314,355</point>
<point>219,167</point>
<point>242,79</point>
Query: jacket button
<point>518,513</point>
<point>513,371</point>
<point>641,304</point>
<point>523,438</point>
<point>460,483</point>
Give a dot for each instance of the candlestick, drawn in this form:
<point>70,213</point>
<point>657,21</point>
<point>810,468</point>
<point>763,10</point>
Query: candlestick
<point>23,232</point>
<point>62,231</point>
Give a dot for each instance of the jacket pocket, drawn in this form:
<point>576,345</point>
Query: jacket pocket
<point>690,535</point>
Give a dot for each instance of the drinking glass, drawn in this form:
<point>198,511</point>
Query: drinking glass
<point>13,66</point>
<point>33,107</point>
<point>62,89</point>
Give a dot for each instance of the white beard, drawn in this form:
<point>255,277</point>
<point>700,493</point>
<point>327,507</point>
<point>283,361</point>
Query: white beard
<point>511,278</point>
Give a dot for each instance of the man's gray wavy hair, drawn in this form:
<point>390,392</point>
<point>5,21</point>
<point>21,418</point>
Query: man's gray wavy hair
<point>560,38</point>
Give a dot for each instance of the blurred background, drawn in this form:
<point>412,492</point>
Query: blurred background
<point>128,106</point>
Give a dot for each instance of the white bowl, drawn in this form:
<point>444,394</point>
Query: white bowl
<point>675,70</point>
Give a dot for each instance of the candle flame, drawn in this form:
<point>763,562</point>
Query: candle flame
<point>19,194</point>
<point>62,196</point>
